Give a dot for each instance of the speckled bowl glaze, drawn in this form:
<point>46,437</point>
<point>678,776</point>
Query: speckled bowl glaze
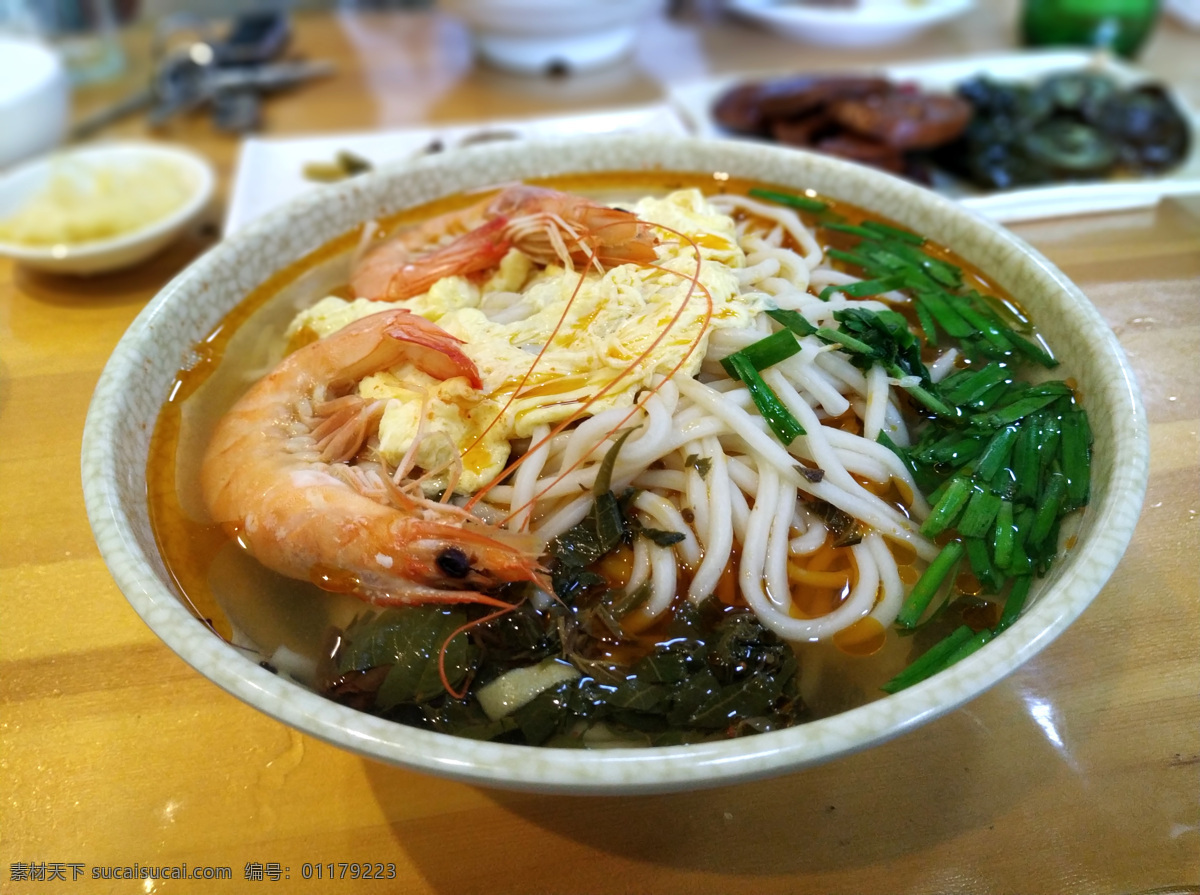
<point>136,381</point>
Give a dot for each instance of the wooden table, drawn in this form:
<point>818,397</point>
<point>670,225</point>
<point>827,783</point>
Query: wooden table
<point>1078,774</point>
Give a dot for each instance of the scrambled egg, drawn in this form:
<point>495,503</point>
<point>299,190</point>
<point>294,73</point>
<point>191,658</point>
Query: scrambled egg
<point>590,347</point>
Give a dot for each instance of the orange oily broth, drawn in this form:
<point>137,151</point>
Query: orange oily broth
<point>232,591</point>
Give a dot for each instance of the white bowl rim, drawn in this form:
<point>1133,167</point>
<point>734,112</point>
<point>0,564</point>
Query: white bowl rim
<point>202,192</point>
<point>867,16</point>
<point>620,770</point>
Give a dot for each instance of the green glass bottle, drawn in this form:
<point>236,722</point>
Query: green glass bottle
<point>1121,26</point>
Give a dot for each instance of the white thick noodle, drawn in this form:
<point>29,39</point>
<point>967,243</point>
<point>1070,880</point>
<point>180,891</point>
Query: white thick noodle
<point>718,538</point>
<point>705,463</point>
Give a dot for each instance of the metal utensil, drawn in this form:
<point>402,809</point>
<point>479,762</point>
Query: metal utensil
<point>229,73</point>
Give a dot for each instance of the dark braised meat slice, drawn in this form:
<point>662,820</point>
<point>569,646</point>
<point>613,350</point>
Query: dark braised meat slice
<point>803,131</point>
<point>750,108</point>
<point>797,96</point>
<point>861,149</point>
<point>740,110</point>
<point>904,120</point>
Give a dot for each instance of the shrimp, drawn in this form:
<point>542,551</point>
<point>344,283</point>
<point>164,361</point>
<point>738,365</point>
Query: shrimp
<point>278,476</point>
<point>545,224</point>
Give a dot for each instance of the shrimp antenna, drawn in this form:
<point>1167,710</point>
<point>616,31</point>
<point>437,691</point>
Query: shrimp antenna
<point>694,284</point>
<point>639,405</point>
<point>565,256</point>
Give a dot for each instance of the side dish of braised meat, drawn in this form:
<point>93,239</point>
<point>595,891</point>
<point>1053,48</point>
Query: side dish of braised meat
<point>995,134</point>
<point>863,119</point>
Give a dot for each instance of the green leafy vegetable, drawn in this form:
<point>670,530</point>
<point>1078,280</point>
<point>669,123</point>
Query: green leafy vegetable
<point>409,641</point>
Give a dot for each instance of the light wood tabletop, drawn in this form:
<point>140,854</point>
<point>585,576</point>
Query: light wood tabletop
<point>1077,774</point>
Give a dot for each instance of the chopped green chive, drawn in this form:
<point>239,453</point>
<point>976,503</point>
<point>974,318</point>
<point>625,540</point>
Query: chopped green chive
<point>979,514</point>
<point>946,510</point>
<point>766,352</point>
<point>884,230</point>
<point>793,320</point>
<point>803,203</point>
<point>1075,456</point>
<point>931,662</point>
<point>1015,602</point>
<point>996,455</point>
<point>785,426</point>
<point>1048,508</point>
<point>928,584</point>
<point>1002,537</point>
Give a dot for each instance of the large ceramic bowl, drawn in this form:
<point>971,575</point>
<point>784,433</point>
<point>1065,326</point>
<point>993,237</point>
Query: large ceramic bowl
<point>137,379</point>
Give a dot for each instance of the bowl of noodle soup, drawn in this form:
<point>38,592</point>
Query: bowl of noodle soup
<point>672,445</point>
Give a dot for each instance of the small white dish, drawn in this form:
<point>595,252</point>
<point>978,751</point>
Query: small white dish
<point>34,99</point>
<point>23,184</point>
<point>534,37</point>
<point>868,23</point>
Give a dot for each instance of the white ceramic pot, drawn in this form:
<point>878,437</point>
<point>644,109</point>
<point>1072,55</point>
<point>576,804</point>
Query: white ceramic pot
<point>34,99</point>
<point>537,36</point>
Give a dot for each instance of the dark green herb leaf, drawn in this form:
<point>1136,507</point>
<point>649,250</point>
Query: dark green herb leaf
<point>410,640</point>
<point>639,695</point>
<point>702,465</point>
<point>599,532</point>
<point>603,483</point>
<point>662,538</point>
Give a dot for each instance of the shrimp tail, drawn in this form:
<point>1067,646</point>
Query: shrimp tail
<point>433,350</point>
<point>475,251</point>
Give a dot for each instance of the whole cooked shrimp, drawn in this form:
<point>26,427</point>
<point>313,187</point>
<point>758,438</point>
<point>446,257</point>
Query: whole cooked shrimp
<point>277,474</point>
<point>545,224</point>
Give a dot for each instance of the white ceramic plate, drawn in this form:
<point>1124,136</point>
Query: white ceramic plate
<point>138,378</point>
<point>270,170</point>
<point>866,23</point>
<point>694,103</point>
<point>99,256</point>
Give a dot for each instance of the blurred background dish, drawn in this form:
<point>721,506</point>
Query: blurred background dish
<point>84,33</point>
<point>856,23</point>
<point>540,36</point>
<point>34,99</point>
<point>986,167</point>
<point>102,207</point>
<point>1186,12</point>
